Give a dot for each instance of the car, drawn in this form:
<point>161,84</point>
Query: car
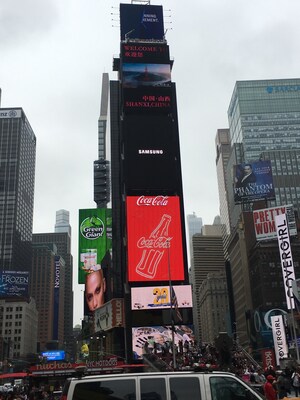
<point>160,386</point>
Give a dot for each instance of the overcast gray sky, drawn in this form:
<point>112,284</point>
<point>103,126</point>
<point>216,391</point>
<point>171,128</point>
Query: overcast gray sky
<point>52,56</point>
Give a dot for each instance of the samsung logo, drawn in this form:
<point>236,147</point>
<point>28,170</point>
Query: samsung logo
<point>282,89</point>
<point>145,151</point>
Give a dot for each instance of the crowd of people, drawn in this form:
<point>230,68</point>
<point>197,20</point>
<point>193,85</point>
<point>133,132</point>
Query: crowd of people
<point>25,392</point>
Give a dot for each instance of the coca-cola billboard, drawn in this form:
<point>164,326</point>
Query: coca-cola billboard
<point>154,236</point>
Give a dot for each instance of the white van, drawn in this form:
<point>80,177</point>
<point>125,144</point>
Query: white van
<point>160,386</point>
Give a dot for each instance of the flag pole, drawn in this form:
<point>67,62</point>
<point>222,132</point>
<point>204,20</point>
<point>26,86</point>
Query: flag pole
<point>171,309</point>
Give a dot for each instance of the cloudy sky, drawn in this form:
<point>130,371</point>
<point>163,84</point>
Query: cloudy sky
<point>52,56</point>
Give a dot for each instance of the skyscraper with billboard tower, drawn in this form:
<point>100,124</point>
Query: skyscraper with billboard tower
<point>149,248</point>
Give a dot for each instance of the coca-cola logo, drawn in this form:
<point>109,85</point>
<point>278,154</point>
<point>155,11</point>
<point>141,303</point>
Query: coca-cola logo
<point>159,243</point>
<point>152,201</point>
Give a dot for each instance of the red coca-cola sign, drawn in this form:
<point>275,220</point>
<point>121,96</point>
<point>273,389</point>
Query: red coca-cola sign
<point>155,251</point>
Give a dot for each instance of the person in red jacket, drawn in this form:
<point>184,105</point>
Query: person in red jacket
<point>269,390</point>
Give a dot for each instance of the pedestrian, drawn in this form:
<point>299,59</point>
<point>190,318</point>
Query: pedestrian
<point>269,390</point>
<point>296,381</point>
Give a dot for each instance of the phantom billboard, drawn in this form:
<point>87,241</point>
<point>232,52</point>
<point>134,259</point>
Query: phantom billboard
<point>253,182</point>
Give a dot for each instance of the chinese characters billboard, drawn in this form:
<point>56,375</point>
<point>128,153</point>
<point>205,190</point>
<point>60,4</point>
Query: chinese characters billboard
<point>154,235</point>
<point>145,52</point>
<point>155,297</point>
<point>94,240</point>
<point>141,22</point>
<point>253,182</point>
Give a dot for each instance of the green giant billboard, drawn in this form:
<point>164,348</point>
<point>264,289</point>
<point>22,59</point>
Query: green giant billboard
<point>95,238</point>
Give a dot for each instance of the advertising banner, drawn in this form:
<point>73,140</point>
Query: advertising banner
<point>141,22</point>
<point>268,358</point>
<point>94,240</point>
<point>264,222</point>
<point>154,297</point>
<point>151,153</point>
<point>158,339</point>
<point>253,182</point>
<point>135,75</point>
<point>14,284</point>
<point>55,355</point>
<point>157,53</point>
<point>147,100</point>
<point>286,258</point>
<point>56,285</point>
<point>154,235</point>
<point>280,344</point>
<point>109,316</point>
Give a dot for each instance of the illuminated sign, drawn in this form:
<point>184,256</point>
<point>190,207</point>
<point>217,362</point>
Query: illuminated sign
<point>156,297</point>
<point>148,338</point>
<point>143,52</point>
<point>154,235</point>
<point>253,182</point>
<point>280,344</point>
<point>141,22</point>
<point>154,100</point>
<point>135,75</point>
<point>55,355</point>
<point>264,222</point>
<point>110,315</point>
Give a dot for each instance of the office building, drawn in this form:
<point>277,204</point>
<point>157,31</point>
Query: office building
<point>60,245</point>
<point>17,173</point>
<point>194,225</point>
<point>18,328</point>
<point>208,259</point>
<point>264,124</point>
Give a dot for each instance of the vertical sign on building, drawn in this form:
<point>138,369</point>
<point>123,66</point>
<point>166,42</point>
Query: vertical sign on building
<point>286,258</point>
<point>280,345</point>
<point>56,297</point>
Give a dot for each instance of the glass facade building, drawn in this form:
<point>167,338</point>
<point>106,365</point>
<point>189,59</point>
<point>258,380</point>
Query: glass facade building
<point>264,121</point>
<point>17,173</point>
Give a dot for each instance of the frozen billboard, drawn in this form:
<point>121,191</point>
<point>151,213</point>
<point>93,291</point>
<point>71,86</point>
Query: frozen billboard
<point>14,284</point>
<point>253,182</point>
<point>154,235</point>
<point>264,222</point>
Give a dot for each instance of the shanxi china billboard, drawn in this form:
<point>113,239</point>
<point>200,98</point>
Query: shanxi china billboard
<point>141,22</point>
<point>154,236</point>
<point>253,182</point>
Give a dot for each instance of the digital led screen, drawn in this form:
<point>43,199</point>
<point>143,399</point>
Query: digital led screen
<point>253,182</point>
<point>151,154</point>
<point>135,75</point>
<point>56,355</point>
<point>141,22</point>
<point>145,52</point>
<point>156,297</point>
<point>14,284</point>
<point>94,240</point>
<point>147,100</point>
<point>264,222</point>
<point>158,339</point>
<point>154,235</point>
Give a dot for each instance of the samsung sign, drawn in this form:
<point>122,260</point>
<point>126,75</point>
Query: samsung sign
<point>282,89</point>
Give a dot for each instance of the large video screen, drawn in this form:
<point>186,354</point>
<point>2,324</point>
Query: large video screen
<point>157,297</point>
<point>151,154</point>
<point>154,236</point>
<point>158,339</point>
<point>147,100</point>
<point>253,182</point>
<point>141,22</point>
<point>14,284</point>
<point>145,52</point>
<point>135,75</point>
